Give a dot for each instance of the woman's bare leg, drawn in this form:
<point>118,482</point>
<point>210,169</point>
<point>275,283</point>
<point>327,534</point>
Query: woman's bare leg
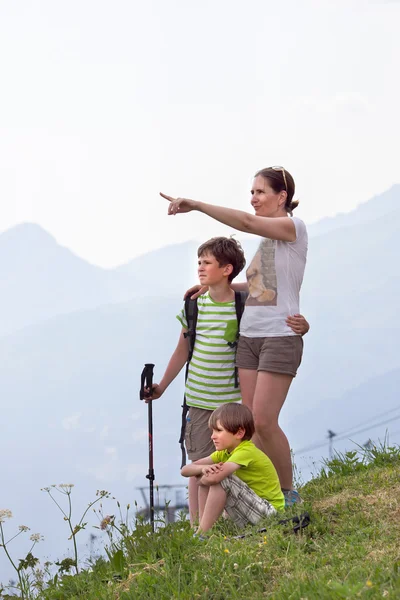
<point>269,396</point>
<point>248,382</point>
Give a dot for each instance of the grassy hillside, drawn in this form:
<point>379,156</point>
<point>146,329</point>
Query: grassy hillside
<point>349,550</point>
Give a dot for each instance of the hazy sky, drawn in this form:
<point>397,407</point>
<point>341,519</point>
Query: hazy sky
<point>104,103</point>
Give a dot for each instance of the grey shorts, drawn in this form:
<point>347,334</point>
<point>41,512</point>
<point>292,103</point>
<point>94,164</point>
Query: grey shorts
<point>197,434</point>
<point>242,504</point>
<point>274,354</point>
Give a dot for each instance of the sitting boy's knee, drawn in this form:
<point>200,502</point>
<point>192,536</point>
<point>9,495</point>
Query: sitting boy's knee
<point>203,482</point>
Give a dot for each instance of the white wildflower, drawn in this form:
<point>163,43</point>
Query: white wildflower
<point>39,576</point>
<point>5,513</point>
<point>23,528</point>
<point>66,487</point>
<point>36,537</point>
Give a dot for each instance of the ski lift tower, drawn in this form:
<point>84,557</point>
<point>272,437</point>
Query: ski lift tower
<point>331,435</point>
<point>164,502</point>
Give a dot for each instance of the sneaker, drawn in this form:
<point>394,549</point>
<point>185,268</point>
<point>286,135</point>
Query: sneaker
<point>292,497</point>
<point>200,537</point>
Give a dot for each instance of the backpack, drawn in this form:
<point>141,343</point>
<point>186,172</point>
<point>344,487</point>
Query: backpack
<point>191,312</point>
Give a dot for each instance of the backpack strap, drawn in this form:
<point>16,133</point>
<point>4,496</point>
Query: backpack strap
<point>185,410</point>
<point>240,301</point>
<point>191,312</point>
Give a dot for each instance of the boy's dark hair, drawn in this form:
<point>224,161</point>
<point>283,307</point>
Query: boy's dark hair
<point>227,251</point>
<point>233,417</point>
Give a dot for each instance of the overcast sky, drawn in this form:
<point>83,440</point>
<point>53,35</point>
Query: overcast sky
<point>105,103</point>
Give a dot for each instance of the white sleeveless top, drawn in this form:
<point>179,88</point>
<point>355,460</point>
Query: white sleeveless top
<point>275,276</point>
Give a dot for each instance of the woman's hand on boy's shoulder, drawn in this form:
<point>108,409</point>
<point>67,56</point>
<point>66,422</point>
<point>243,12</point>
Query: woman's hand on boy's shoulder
<point>195,291</point>
<point>298,324</point>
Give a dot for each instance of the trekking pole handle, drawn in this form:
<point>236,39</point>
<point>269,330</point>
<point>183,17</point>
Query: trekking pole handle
<point>146,380</point>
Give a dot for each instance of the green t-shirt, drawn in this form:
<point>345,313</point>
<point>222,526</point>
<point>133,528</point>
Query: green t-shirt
<point>211,376</point>
<point>256,470</point>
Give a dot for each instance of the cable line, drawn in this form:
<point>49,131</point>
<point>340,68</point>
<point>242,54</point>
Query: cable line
<point>345,435</point>
<point>370,427</point>
<point>386,412</point>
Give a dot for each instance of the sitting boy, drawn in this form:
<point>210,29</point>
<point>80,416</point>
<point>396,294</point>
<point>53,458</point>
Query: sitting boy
<point>238,477</point>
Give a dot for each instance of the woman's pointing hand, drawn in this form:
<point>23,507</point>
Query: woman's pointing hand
<point>179,205</point>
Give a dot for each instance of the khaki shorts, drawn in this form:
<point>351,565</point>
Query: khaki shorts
<point>242,504</point>
<point>197,434</point>
<point>273,354</point>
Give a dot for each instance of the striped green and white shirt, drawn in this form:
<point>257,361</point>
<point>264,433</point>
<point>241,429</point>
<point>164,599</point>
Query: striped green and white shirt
<point>211,376</point>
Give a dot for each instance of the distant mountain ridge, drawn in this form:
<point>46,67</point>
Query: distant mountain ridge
<point>41,279</point>
<point>376,207</point>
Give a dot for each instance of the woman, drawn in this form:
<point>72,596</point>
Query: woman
<point>269,351</point>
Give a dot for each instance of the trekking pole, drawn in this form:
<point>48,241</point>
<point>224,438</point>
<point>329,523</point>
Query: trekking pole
<point>147,382</point>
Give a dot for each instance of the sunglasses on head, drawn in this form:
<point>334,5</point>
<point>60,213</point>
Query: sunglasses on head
<point>282,170</point>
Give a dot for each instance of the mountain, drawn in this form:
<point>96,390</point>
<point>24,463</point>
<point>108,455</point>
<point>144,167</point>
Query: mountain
<point>360,410</point>
<point>369,411</point>
<point>40,279</point>
<point>350,295</point>
<point>158,271</point>
<point>80,373</point>
<point>376,207</point>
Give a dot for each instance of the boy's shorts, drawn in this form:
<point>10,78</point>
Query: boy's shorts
<point>274,354</point>
<point>197,434</point>
<point>242,504</point>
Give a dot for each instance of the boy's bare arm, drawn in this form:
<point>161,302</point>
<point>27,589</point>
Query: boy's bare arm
<point>196,468</point>
<point>212,478</point>
<point>176,362</point>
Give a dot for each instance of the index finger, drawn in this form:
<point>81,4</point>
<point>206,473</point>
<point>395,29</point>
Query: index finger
<point>170,198</point>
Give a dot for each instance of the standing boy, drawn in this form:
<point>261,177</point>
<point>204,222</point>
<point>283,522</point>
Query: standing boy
<point>237,477</point>
<point>211,379</point>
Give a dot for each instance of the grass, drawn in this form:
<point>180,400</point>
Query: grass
<point>351,548</point>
